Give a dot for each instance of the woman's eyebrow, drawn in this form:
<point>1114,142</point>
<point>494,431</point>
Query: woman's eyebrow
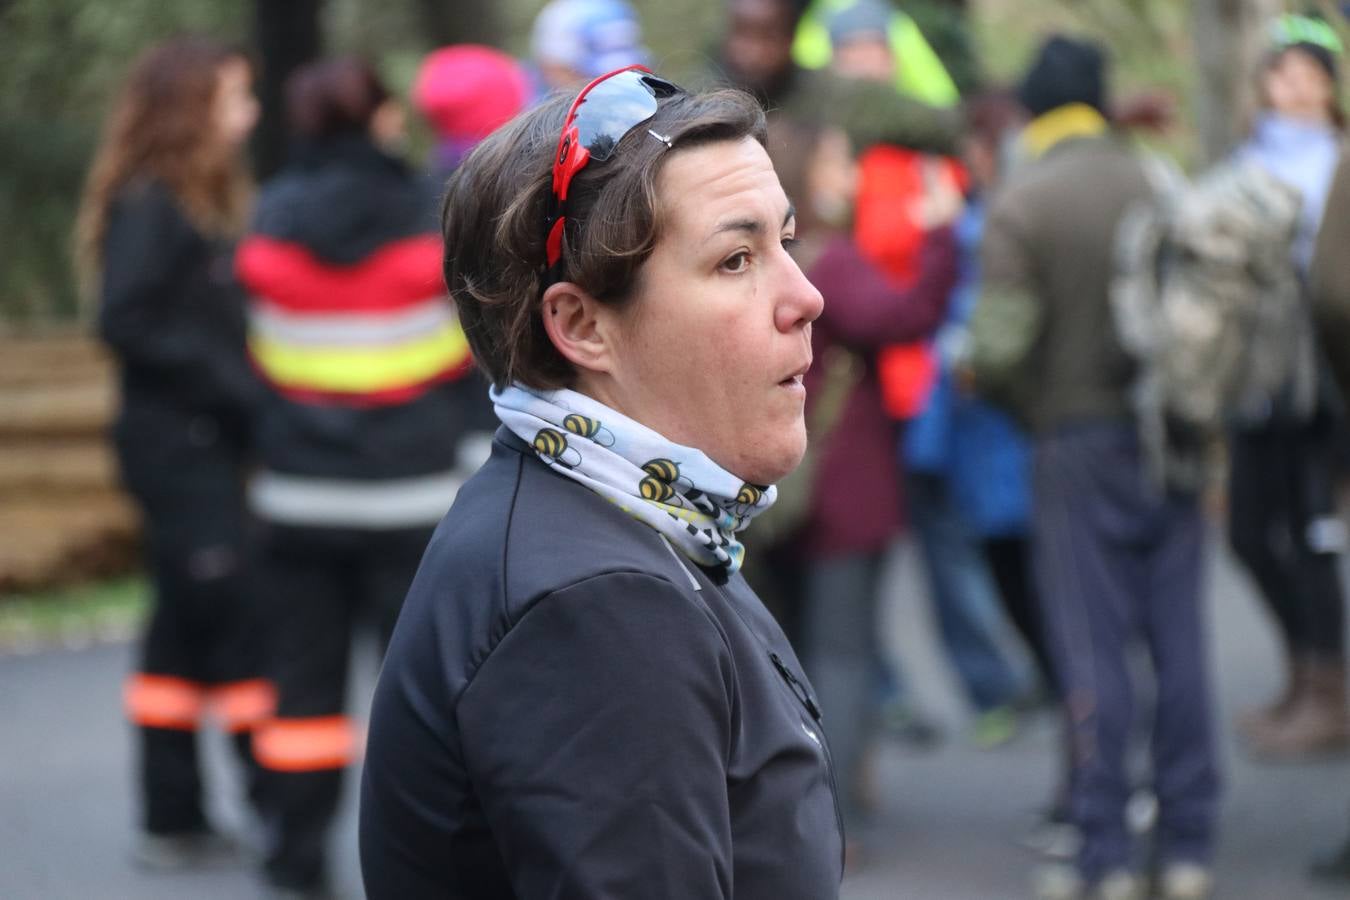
<point>750,225</point>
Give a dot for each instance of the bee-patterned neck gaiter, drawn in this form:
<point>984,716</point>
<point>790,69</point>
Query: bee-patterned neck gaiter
<point>679,491</point>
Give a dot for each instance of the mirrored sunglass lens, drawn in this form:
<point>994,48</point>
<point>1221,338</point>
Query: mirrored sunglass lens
<point>611,109</point>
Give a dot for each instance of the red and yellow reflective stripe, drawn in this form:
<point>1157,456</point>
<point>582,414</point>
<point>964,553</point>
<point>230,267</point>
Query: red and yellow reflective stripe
<point>243,705</point>
<point>163,701</point>
<point>306,745</point>
<point>361,370</point>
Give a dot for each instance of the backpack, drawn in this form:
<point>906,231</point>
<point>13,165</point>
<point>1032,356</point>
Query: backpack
<point>1208,303</point>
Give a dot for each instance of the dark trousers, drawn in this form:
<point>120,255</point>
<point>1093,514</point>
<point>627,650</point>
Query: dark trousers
<point>1119,563</point>
<point>201,634</point>
<point>1284,529</point>
<point>1010,562</point>
<point>843,656</point>
<point>318,583</point>
<point>964,594</point>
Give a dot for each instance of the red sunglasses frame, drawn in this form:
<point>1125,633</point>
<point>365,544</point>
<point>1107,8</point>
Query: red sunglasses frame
<point>571,157</point>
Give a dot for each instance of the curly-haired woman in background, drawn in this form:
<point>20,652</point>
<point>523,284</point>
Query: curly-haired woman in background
<point>165,195</point>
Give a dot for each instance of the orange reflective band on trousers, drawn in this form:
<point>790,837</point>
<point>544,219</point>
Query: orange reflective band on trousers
<point>306,745</point>
<point>163,701</point>
<point>243,705</point>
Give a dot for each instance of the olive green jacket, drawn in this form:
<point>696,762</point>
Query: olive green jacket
<point>1043,342</point>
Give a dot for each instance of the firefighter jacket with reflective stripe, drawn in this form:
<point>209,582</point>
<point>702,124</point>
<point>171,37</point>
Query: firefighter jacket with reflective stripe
<point>349,322</point>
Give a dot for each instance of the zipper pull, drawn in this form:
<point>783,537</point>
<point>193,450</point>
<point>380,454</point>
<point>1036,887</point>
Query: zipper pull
<point>797,687</point>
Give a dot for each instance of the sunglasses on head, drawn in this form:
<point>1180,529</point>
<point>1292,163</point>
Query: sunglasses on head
<point>603,113</point>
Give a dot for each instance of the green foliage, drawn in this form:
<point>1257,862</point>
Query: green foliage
<point>948,32</point>
<point>59,61</point>
<point>1149,43</point>
<point>74,615</point>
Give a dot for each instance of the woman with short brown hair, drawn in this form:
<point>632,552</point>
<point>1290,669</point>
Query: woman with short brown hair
<point>582,696</point>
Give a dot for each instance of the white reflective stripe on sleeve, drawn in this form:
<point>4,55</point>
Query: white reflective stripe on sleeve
<point>388,504</point>
<point>349,329</point>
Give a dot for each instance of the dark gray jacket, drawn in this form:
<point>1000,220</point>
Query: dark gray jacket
<point>568,709</point>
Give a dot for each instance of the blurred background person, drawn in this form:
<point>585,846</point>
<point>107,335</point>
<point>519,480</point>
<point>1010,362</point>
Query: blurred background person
<point>165,199</point>
<point>756,55</point>
<point>910,62</point>
<point>1282,503</point>
<point>896,186</point>
<point>1118,559</point>
<point>466,92</point>
<point>981,452</point>
<point>573,41</point>
<point>1329,286</point>
<point>856,510</point>
<point>351,328</point>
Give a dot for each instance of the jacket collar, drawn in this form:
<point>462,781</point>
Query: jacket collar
<point>1063,123</point>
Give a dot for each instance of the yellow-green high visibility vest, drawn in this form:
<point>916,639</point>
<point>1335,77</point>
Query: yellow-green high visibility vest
<point>918,71</point>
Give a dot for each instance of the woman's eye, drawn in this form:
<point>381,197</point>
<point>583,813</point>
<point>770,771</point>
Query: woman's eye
<point>790,245</point>
<point>736,263</point>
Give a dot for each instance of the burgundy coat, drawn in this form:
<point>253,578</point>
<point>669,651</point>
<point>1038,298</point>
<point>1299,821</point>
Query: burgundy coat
<point>857,498</point>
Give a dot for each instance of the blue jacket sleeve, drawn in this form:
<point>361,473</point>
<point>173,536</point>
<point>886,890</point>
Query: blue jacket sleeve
<point>597,735</point>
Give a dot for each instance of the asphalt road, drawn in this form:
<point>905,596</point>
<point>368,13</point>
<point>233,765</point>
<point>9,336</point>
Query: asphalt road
<point>947,831</point>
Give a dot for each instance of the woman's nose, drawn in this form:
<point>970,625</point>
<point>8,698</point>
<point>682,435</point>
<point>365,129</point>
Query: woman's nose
<point>799,302</point>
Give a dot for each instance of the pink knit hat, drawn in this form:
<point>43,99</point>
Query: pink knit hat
<point>467,91</point>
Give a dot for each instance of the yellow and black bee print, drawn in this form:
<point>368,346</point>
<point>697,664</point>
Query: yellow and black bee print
<point>552,447</point>
<point>749,494</point>
<point>663,481</point>
<point>591,429</point>
<point>748,498</point>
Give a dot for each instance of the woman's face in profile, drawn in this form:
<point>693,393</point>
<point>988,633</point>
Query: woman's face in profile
<point>234,110</point>
<point>714,346</point>
<point>1296,85</point>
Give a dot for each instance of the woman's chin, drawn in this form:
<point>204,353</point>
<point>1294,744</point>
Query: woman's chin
<point>770,463</point>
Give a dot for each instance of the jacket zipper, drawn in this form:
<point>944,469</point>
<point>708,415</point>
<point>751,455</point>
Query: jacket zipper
<point>804,697</point>
<point>797,687</point>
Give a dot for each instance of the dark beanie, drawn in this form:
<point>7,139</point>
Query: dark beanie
<point>1066,71</point>
<point>1317,53</point>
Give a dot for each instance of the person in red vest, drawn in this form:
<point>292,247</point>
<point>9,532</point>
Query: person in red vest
<point>351,328</point>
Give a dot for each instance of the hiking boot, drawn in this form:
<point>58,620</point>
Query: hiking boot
<point>1316,724</point>
<point>185,850</point>
<point>1253,723</point>
<point>902,722</point>
<point>1064,882</point>
<point>1185,881</point>
<point>1119,885</point>
<point>1052,836</point>
<point>1059,881</point>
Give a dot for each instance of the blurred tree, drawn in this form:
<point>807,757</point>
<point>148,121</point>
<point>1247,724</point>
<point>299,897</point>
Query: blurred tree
<point>460,21</point>
<point>60,62</point>
<point>287,36</point>
<point>1229,37</point>
<point>946,26</point>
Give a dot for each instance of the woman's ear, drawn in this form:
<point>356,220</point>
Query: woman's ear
<point>579,327</point>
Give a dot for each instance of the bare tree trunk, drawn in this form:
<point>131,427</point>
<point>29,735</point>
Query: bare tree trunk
<point>461,21</point>
<point>287,35</point>
<point>1229,38</point>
